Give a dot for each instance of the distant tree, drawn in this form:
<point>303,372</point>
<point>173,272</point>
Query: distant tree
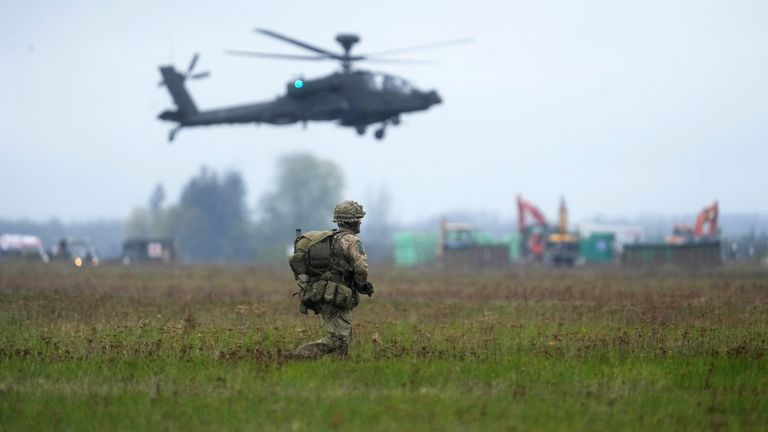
<point>307,189</point>
<point>210,222</point>
<point>168,223</point>
<point>138,223</point>
<point>377,227</point>
<point>156,201</point>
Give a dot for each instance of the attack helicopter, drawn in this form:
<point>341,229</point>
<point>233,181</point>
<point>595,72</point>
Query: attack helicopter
<point>351,97</point>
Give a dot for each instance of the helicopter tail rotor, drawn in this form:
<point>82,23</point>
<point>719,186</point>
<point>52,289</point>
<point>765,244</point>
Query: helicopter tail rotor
<point>189,72</point>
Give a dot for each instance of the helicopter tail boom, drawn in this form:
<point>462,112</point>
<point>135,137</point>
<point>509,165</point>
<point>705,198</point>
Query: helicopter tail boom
<point>175,83</point>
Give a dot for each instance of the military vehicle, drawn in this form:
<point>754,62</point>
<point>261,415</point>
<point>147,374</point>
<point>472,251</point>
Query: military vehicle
<point>350,97</point>
<point>149,250</point>
<point>77,251</point>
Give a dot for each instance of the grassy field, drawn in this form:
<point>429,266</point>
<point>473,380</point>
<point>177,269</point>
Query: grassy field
<point>199,348</point>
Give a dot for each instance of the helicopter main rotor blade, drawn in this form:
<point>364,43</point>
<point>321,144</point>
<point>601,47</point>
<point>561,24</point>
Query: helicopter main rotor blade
<point>298,43</point>
<point>200,75</point>
<point>395,61</point>
<point>272,55</point>
<point>421,47</point>
<point>192,63</point>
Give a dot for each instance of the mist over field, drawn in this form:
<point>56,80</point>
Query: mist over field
<point>626,110</point>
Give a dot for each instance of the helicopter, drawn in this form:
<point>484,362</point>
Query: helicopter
<point>351,97</point>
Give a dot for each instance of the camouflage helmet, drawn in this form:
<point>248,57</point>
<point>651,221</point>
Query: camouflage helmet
<point>348,211</point>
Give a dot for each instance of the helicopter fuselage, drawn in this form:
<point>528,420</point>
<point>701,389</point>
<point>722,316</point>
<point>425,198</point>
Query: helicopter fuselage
<point>356,99</point>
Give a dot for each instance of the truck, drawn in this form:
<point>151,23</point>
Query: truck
<point>149,250</point>
<point>22,246</point>
<point>459,247</point>
<point>77,251</point>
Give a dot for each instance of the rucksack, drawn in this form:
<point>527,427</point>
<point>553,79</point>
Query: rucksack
<point>312,257</point>
<point>312,253</point>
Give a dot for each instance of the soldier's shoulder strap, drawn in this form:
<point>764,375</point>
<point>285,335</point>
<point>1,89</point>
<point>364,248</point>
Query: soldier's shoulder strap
<point>318,236</point>
<point>311,238</point>
<point>344,235</point>
<point>354,241</point>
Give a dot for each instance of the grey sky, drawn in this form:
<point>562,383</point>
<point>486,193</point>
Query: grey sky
<point>623,107</point>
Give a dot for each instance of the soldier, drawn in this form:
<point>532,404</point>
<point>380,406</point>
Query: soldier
<point>333,291</point>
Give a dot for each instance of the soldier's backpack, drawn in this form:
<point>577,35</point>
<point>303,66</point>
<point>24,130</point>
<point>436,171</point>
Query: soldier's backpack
<point>312,253</point>
<point>312,257</point>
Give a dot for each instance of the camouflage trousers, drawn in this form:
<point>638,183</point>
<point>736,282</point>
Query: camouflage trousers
<point>338,322</point>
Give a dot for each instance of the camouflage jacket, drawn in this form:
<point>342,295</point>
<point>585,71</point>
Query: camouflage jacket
<point>348,249</point>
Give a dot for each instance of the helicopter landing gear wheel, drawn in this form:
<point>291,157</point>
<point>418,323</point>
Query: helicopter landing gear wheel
<point>379,134</point>
<point>172,133</point>
<point>360,130</point>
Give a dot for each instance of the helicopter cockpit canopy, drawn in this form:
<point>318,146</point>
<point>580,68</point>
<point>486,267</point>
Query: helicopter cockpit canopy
<point>380,82</point>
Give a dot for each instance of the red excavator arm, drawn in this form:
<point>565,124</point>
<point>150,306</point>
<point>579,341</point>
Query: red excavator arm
<point>535,244</point>
<point>706,222</point>
<point>524,207</point>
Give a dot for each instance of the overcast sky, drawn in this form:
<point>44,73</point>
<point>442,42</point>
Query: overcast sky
<point>625,108</point>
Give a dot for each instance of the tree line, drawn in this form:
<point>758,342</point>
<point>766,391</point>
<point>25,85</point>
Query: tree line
<point>211,221</point>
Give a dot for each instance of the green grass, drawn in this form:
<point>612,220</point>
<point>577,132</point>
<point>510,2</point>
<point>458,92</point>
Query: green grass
<point>199,348</point>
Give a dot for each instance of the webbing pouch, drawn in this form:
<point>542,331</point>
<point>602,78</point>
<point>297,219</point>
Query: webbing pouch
<point>343,297</point>
<point>318,290</point>
<point>330,292</point>
<point>339,295</point>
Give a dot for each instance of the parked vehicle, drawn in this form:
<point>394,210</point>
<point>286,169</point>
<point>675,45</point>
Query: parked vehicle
<point>143,250</point>
<point>21,246</point>
<point>78,251</point>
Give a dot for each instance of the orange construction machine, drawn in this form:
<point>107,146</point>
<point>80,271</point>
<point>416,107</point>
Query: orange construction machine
<point>531,235</point>
<point>542,242</point>
<point>687,247</point>
<point>705,229</point>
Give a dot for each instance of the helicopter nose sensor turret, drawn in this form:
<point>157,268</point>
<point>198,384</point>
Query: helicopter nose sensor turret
<point>433,98</point>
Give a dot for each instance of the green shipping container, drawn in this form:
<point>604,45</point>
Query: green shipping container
<point>412,249</point>
<point>598,247</point>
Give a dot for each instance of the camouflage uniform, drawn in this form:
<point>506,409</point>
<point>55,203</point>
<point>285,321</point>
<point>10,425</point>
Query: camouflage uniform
<point>350,269</point>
